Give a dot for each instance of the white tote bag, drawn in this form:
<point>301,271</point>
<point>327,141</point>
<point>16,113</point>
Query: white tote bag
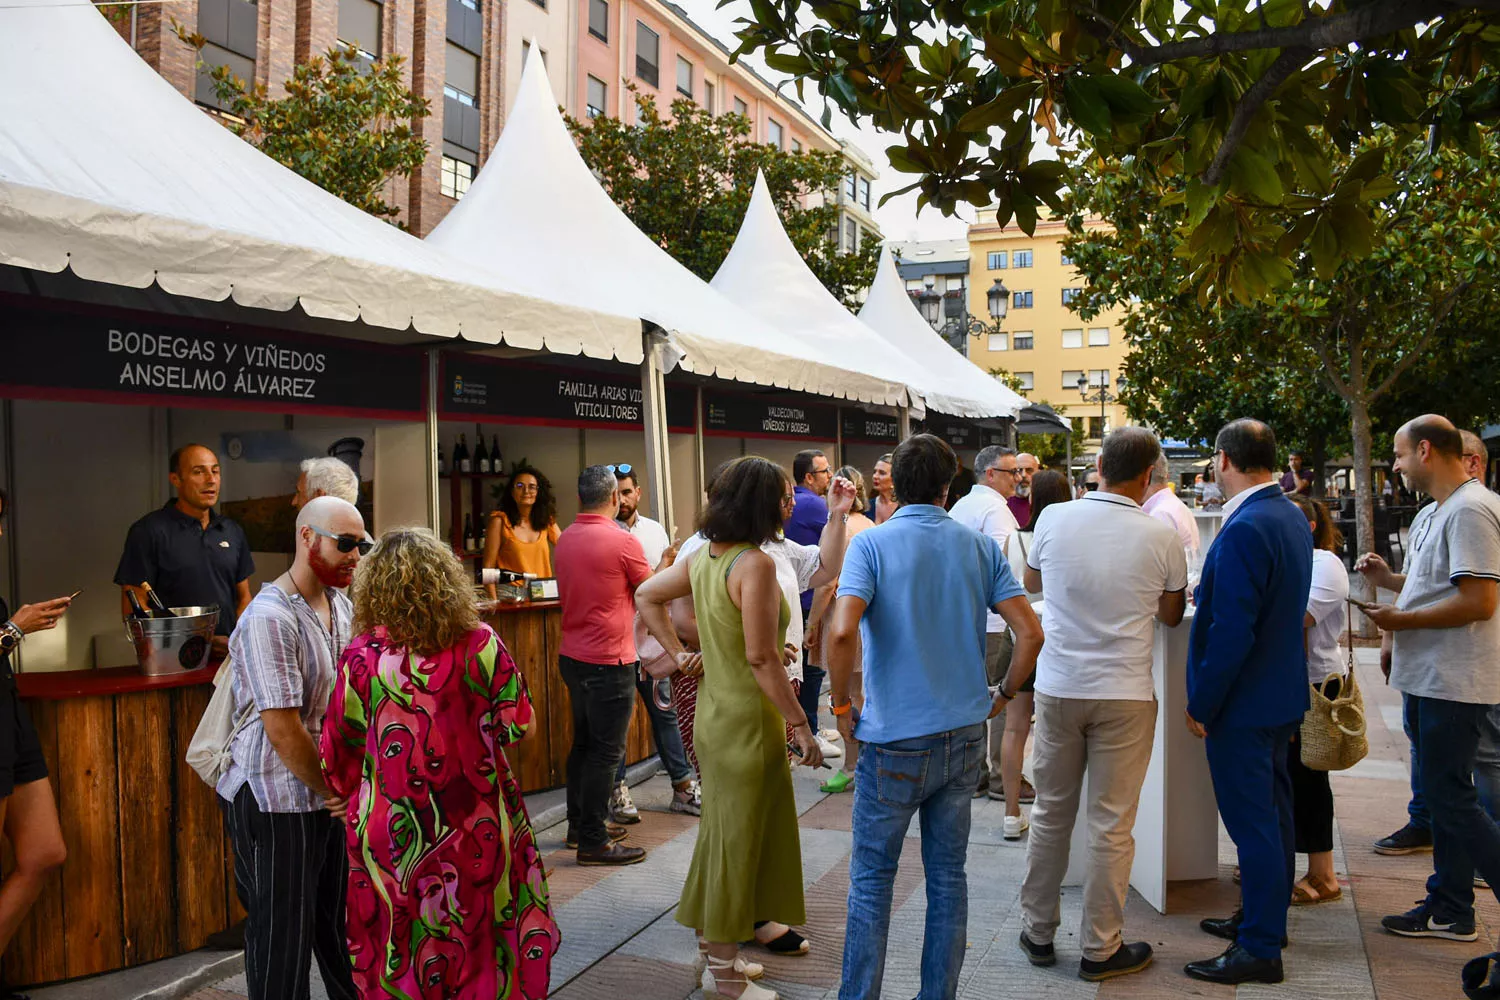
<point>208,751</point>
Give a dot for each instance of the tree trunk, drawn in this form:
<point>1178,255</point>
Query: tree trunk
<point>1319,463</point>
<point>1364,501</point>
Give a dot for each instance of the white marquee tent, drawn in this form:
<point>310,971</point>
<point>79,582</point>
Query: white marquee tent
<point>963,390</point>
<point>107,170</point>
<point>537,210</point>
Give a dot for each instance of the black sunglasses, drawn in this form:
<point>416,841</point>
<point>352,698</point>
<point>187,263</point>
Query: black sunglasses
<point>346,543</point>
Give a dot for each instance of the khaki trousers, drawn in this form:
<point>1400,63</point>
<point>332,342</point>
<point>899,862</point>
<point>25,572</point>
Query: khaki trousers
<point>998,647</point>
<point>1112,740</point>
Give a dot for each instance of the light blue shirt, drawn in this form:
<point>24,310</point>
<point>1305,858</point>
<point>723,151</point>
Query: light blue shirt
<point>926,581</point>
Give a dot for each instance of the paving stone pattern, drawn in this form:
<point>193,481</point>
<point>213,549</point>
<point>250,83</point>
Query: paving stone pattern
<point>620,938</point>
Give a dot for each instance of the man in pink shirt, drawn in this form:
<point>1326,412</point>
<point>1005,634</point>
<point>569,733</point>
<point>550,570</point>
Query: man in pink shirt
<point>1162,504</point>
<point>598,568</point>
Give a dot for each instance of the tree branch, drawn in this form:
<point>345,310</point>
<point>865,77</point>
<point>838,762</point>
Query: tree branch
<point>1449,301</point>
<point>1289,62</point>
<point>1320,347</point>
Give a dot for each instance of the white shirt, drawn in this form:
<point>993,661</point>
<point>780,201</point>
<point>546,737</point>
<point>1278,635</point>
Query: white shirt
<point>1016,551</point>
<point>1243,495</point>
<point>1164,505</point>
<point>1105,564</point>
<point>796,564</point>
<point>1327,604</point>
<point>986,511</point>
<point>652,536</point>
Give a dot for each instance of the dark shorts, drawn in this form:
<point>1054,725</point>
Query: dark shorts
<point>21,760</point>
<point>998,647</point>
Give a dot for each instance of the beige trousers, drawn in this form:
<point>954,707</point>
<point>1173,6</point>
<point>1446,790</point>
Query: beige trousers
<point>1112,740</point>
<point>998,647</point>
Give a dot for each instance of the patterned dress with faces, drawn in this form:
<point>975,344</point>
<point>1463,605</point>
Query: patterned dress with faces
<point>447,893</point>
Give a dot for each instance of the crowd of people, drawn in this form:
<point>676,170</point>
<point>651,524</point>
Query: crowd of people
<point>378,829</point>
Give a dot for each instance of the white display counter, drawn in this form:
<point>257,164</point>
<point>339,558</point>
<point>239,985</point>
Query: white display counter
<point>1177,825</point>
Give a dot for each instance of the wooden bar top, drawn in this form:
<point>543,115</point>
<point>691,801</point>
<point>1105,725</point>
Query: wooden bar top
<point>58,685</point>
<point>504,607</point>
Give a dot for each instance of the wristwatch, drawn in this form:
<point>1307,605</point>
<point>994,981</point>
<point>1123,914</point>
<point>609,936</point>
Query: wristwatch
<point>10,636</point>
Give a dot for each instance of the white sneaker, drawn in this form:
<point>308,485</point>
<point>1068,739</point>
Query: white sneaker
<point>830,735</point>
<point>830,751</point>
<point>689,800</point>
<point>1015,826</point>
<point>621,806</point>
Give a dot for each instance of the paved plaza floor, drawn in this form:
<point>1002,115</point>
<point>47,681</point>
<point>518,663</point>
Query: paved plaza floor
<point>620,939</point>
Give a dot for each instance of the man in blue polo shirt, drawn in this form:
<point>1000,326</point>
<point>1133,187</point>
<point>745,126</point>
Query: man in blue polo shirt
<point>190,555</point>
<point>916,593</point>
<point>811,476</point>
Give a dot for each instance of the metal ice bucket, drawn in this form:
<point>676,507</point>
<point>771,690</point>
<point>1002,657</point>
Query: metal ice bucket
<point>173,645</point>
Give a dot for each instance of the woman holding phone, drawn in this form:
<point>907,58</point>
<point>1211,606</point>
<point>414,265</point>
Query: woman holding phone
<point>1312,795</point>
<point>28,812</point>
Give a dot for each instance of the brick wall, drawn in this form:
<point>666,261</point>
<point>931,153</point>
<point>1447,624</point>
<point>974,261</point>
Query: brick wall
<point>427,66</point>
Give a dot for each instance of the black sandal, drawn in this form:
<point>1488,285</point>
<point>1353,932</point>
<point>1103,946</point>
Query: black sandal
<point>791,943</point>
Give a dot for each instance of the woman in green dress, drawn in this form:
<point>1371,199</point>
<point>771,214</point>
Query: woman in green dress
<point>747,865</point>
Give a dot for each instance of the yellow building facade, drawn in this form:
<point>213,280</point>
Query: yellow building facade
<point>1044,342</point>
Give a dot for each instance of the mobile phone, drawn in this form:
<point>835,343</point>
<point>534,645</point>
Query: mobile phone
<point>75,594</point>
<point>796,751</point>
<point>1361,605</point>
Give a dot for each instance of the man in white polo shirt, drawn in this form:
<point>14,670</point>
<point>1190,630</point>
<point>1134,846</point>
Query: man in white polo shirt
<point>1105,569</point>
<point>986,509</point>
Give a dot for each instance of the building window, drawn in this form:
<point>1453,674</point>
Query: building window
<point>708,97</point>
<point>1021,341</point>
<point>461,75</point>
<point>1070,379</point>
<point>999,342</point>
<point>851,186</point>
<point>1098,427</point>
<point>359,25</point>
<point>864,193</point>
<point>1021,258</point>
<point>1099,336</point>
<point>684,77</point>
<point>1070,295</point>
<point>471,4</point>
<point>796,145</point>
<point>1097,378</point>
<point>647,54</point>
<point>598,97</point>
<point>1020,300</point>
<point>1027,380</point>
<point>741,108</point>
<point>1072,338</point>
<point>999,260</point>
<point>1067,261</point>
<point>456,177</point>
<point>540,3</point>
<point>599,19</point>
<point>851,234</point>
<point>775,135</point>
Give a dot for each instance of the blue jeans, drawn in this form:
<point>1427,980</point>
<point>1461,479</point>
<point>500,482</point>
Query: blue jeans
<point>930,776</point>
<point>1417,807</point>
<point>1487,763</point>
<point>664,728</point>
<point>812,689</point>
<point>1464,838</point>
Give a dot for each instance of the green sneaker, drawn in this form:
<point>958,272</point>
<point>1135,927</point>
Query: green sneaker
<point>840,782</point>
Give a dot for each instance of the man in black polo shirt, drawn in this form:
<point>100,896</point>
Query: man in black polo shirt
<point>190,555</point>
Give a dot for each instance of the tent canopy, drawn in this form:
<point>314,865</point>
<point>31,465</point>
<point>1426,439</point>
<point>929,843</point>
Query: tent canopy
<point>1039,418</point>
<point>134,185</point>
<point>957,387</point>
<point>766,276</point>
<point>537,210</point>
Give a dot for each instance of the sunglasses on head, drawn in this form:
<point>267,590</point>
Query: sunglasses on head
<point>346,543</point>
<point>623,469</point>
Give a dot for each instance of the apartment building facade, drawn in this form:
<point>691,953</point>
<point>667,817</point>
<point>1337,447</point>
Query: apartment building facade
<point>465,57</point>
<point>1043,342</point>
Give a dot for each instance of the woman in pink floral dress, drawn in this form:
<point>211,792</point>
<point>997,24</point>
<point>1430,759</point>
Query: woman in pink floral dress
<point>447,893</point>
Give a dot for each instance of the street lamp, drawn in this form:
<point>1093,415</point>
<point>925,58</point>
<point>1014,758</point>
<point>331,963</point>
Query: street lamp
<point>958,329</point>
<point>1102,396</point>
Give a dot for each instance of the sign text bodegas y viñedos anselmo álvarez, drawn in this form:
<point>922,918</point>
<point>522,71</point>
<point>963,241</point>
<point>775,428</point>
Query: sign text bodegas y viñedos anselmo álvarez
<point>117,357</point>
<point>518,392</point>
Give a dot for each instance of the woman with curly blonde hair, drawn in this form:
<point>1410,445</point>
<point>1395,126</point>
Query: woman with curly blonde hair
<point>445,881</point>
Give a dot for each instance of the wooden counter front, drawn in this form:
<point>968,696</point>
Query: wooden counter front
<point>150,872</point>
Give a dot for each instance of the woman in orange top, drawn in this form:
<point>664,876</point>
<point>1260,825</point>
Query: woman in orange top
<point>524,529</point>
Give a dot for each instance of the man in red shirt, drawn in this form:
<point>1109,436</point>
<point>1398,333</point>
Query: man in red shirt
<point>598,567</point>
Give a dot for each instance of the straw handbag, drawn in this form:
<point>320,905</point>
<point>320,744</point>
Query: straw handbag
<point>1333,730</point>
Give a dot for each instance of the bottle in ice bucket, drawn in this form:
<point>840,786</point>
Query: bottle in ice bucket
<point>154,602</point>
<point>136,611</point>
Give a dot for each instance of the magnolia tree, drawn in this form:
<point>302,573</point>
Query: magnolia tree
<point>1240,108</point>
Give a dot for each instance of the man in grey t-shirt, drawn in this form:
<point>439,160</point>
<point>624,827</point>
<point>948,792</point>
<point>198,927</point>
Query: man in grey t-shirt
<point>1444,641</point>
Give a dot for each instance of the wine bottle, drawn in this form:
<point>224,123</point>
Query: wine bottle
<point>468,532</point>
<point>496,465</point>
<point>442,462</point>
<point>481,455</point>
<point>461,456</point>
<point>136,611</point>
<point>155,603</point>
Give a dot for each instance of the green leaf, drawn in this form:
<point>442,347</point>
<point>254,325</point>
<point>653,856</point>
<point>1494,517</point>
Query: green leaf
<point>1086,105</point>
<point>1252,175</point>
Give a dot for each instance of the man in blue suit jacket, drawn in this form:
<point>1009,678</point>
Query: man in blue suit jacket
<point>1247,691</point>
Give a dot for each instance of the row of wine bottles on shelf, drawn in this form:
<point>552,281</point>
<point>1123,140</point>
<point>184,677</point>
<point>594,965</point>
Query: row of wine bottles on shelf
<point>485,461</point>
<point>155,607</point>
<point>473,542</point>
